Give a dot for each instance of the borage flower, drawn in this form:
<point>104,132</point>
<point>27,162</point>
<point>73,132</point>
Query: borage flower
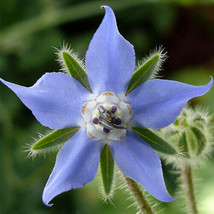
<point>107,116</point>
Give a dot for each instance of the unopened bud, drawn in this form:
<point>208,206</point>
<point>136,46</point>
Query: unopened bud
<point>192,134</point>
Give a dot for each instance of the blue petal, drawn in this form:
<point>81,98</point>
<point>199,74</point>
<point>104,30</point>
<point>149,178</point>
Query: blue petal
<point>110,59</point>
<point>76,165</point>
<point>137,160</point>
<point>53,99</point>
<point>157,103</point>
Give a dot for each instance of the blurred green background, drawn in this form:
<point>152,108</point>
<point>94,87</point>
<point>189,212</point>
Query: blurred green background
<point>29,32</point>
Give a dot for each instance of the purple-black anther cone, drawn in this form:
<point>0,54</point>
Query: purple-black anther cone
<point>113,109</point>
<point>106,130</point>
<point>117,121</point>
<point>95,120</point>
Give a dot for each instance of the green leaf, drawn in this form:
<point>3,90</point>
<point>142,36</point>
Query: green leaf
<point>146,71</point>
<point>156,142</point>
<point>55,138</point>
<point>107,170</point>
<point>75,69</point>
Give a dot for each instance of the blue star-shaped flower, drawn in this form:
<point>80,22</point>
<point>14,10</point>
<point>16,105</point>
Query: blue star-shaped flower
<point>59,101</point>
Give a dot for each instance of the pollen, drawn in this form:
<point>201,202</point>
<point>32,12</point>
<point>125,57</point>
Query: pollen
<point>84,108</point>
<point>108,94</point>
<point>91,136</point>
<point>130,110</point>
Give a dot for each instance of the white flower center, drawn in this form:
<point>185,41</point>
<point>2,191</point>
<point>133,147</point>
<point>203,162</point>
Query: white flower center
<point>106,117</point>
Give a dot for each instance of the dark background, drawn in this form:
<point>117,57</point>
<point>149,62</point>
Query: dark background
<point>29,32</point>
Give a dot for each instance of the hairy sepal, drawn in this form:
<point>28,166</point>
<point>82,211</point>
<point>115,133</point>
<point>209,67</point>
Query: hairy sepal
<point>52,141</point>
<point>183,145</point>
<point>156,142</point>
<point>107,172</point>
<point>196,140</point>
<point>147,70</point>
<point>71,64</point>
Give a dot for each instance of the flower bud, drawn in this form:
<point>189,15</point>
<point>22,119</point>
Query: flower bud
<point>191,133</point>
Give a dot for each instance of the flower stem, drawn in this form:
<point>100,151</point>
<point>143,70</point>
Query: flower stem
<point>138,195</point>
<point>189,190</point>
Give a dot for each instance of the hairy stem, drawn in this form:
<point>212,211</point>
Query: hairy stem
<point>138,195</point>
<point>189,190</point>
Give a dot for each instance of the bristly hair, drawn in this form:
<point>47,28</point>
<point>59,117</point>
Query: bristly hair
<point>68,49</point>
<point>122,186</point>
<point>102,194</point>
<point>162,57</point>
<point>41,152</point>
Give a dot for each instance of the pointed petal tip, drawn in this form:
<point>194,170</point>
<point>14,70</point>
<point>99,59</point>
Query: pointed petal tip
<point>47,204</point>
<point>46,200</point>
<point>106,7</point>
<point>207,87</point>
<point>10,85</point>
<point>211,81</point>
<point>109,13</point>
<point>3,81</point>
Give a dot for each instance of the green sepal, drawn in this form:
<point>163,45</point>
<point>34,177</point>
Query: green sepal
<point>201,139</point>
<point>76,70</point>
<point>196,140</point>
<point>183,145</point>
<point>53,139</point>
<point>156,142</point>
<point>145,72</point>
<point>107,170</point>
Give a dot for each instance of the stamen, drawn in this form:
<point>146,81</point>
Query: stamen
<point>113,109</point>
<point>103,112</point>
<point>106,126</point>
<point>113,115</point>
<point>95,121</point>
<point>108,119</point>
<point>108,114</point>
<point>101,109</point>
<point>117,121</point>
<point>106,130</point>
<point>106,123</point>
<point>110,125</point>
